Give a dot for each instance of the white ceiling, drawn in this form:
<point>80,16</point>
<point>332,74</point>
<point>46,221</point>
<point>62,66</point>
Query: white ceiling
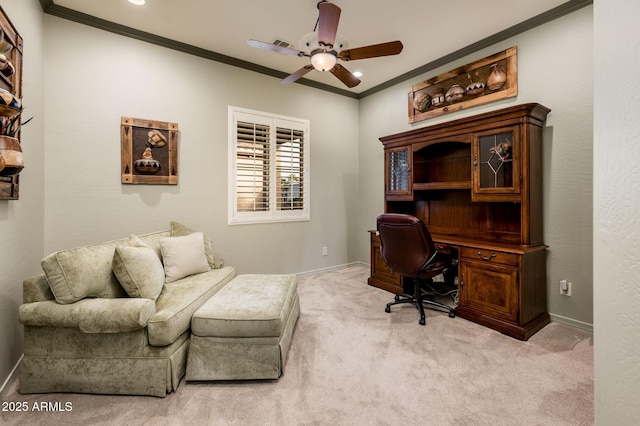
<point>429,29</point>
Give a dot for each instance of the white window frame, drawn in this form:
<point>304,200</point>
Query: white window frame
<point>235,217</point>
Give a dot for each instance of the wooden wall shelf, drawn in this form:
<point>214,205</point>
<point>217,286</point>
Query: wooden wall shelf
<point>478,71</point>
<point>11,48</point>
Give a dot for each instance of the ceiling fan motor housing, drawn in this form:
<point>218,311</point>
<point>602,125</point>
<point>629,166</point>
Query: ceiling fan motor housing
<point>309,43</point>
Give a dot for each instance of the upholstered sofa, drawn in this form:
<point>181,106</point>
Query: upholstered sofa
<point>114,318</point>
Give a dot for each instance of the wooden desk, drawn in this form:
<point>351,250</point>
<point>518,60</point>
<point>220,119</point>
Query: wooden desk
<point>476,182</point>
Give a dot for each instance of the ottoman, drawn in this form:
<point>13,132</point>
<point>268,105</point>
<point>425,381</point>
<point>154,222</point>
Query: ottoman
<point>243,332</point>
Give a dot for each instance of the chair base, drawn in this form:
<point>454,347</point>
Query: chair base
<point>419,299</point>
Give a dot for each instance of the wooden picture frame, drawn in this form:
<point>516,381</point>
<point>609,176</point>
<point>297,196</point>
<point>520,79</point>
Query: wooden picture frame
<point>11,46</point>
<point>149,151</point>
<point>421,95</point>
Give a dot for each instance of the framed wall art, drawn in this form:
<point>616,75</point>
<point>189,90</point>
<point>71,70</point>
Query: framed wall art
<point>149,151</point>
<point>487,80</point>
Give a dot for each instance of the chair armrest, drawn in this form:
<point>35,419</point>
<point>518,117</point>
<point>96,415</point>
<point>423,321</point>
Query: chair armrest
<point>119,315</point>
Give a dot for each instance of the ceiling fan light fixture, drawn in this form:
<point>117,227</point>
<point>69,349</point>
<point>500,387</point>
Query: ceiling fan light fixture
<point>324,61</point>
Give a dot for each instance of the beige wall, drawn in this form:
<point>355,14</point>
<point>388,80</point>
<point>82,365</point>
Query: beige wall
<point>555,68</point>
<point>21,221</point>
<point>616,213</point>
<point>94,77</point>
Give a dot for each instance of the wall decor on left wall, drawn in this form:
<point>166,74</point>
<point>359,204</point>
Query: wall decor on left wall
<point>11,160</point>
<point>149,151</point>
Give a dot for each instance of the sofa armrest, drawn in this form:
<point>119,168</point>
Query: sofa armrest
<point>119,315</point>
<point>36,289</point>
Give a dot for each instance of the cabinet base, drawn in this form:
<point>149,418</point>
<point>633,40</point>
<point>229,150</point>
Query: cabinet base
<point>384,285</point>
<point>521,332</point>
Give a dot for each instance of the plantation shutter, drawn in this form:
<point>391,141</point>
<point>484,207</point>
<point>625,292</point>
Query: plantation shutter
<point>268,167</point>
<point>290,184</point>
<point>253,167</point>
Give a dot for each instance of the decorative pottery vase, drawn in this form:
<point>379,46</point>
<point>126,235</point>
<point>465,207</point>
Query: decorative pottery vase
<point>454,93</point>
<point>11,156</point>
<point>10,106</point>
<point>421,102</point>
<point>496,79</point>
<point>438,98</point>
<point>475,88</point>
<point>147,166</point>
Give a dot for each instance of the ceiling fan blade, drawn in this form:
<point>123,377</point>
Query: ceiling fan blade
<point>345,76</point>
<point>296,75</point>
<point>328,23</point>
<point>275,48</point>
<point>373,51</point>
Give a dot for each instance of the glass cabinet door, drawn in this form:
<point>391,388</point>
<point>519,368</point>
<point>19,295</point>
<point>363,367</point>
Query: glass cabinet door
<point>398,171</point>
<point>496,162</point>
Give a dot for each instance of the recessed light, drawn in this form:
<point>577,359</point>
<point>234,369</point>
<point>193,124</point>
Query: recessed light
<point>357,74</point>
<point>137,2</point>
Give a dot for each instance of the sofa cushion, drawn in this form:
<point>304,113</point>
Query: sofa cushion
<point>82,272</point>
<point>138,269</point>
<point>180,299</point>
<point>183,256</point>
<point>180,230</point>
<point>86,271</point>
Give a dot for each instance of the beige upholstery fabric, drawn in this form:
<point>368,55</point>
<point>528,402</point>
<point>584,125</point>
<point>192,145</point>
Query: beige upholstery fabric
<point>138,269</point>
<point>180,299</point>
<point>249,306</point>
<point>82,272</point>
<point>86,271</point>
<point>183,256</point>
<point>118,363</point>
<point>90,315</point>
<point>268,314</point>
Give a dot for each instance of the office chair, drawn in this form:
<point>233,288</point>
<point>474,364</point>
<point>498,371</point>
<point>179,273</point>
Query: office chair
<point>407,247</point>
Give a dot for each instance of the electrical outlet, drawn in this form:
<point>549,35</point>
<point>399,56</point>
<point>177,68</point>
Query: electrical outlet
<point>565,288</point>
<point>324,251</point>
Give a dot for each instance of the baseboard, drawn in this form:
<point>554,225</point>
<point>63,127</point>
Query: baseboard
<point>4,390</point>
<point>332,268</point>
<point>572,322</point>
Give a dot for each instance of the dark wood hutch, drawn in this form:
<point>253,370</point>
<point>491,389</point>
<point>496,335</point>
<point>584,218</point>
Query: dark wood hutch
<point>476,182</point>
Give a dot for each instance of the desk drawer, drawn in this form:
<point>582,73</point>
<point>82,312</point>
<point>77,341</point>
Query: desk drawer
<point>490,256</point>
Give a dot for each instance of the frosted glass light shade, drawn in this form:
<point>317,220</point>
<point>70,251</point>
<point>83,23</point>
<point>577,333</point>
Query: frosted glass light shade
<point>323,61</point>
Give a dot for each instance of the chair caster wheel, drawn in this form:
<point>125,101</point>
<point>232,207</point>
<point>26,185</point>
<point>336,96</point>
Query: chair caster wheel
<point>452,314</point>
<point>422,321</point>
<point>397,298</point>
<point>387,309</point>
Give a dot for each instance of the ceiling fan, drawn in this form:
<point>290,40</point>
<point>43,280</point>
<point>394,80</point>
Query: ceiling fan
<point>322,48</point>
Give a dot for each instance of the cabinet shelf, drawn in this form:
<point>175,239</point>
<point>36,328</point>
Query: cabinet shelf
<point>432,186</point>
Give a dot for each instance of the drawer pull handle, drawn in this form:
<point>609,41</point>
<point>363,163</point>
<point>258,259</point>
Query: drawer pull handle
<point>485,257</point>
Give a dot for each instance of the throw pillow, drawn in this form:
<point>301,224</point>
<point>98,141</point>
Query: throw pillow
<point>180,230</point>
<point>138,269</point>
<point>183,256</point>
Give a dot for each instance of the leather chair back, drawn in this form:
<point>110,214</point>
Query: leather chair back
<point>405,243</point>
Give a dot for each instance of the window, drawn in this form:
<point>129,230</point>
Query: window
<point>268,167</point>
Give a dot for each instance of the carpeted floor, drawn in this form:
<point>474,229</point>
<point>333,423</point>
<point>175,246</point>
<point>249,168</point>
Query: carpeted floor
<point>350,363</point>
